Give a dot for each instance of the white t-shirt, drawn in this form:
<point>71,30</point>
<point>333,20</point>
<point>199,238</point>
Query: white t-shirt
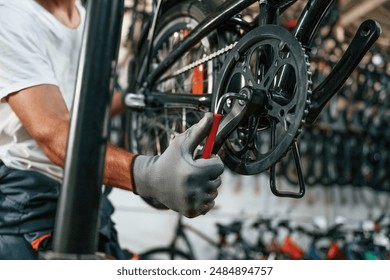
<point>35,49</point>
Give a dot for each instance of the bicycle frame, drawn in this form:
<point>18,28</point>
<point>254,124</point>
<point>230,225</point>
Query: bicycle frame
<point>305,30</point>
<point>313,13</point>
<point>180,234</point>
<point>212,22</point>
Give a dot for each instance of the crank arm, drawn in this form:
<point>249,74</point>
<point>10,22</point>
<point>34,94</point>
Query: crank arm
<point>232,119</point>
<point>228,124</point>
<point>368,32</point>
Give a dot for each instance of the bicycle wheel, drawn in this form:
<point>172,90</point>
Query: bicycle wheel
<point>149,132</point>
<point>164,254</point>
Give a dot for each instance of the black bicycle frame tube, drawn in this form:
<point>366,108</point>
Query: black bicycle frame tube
<point>198,100</point>
<point>310,20</point>
<point>268,14</point>
<point>211,22</point>
<point>151,33</point>
<point>75,234</point>
<point>307,26</point>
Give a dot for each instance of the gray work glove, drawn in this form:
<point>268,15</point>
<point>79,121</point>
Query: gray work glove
<point>181,183</point>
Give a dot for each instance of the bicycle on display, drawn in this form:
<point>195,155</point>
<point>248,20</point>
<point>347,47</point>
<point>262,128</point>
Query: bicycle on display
<point>208,56</point>
<point>273,239</point>
<point>230,244</point>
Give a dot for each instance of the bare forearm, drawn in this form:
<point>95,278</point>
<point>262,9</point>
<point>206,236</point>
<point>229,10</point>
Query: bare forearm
<point>117,162</point>
<point>117,106</point>
<point>54,144</point>
<point>117,168</point>
<point>45,116</point>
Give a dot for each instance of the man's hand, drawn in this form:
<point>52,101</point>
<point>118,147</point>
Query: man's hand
<point>181,183</point>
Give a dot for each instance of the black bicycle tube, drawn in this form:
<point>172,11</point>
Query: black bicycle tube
<point>310,20</point>
<point>76,235</point>
<point>199,100</point>
<point>268,14</point>
<point>151,33</point>
<point>307,26</point>
<point>210,23</point>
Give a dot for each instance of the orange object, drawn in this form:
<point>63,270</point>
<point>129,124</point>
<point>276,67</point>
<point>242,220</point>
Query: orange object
<point>35,243</point>
<point>291,23</point>
<point>334,252</point>
<point>198,80</point>
<point>291,248</point>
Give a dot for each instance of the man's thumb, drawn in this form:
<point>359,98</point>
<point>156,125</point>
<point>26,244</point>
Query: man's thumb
<point>198,132</point>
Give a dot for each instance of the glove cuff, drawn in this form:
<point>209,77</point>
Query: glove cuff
<point>132,174</point>
<point>142,176</point>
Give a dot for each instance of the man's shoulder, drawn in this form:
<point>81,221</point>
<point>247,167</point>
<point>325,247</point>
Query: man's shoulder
<point>17,16</point>
<point>16,11</point>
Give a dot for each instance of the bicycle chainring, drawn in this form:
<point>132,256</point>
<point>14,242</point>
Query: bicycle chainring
<point>270,61</point>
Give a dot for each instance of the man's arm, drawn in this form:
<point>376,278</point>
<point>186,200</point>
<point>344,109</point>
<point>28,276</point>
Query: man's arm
<point>181,183</point>
<point>117,105</point>
<point>43,113</point>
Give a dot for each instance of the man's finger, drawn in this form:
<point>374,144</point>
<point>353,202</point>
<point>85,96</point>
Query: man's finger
<point>212,167</point>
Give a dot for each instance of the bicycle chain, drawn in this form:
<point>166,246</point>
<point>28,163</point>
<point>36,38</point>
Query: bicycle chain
<point>309,93</point>
<point>202,60</point>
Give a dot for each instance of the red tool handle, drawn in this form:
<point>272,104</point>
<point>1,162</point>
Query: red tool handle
<point>208,148</point>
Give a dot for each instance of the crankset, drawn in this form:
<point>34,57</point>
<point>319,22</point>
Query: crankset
<point>270,67</point>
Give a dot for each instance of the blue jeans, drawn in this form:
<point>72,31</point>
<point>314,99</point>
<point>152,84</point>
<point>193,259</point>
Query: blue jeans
<point>28,202</point>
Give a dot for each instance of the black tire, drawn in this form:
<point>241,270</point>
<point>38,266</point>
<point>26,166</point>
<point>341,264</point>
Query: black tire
<point>149,132</point>
<point>164,254</point>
